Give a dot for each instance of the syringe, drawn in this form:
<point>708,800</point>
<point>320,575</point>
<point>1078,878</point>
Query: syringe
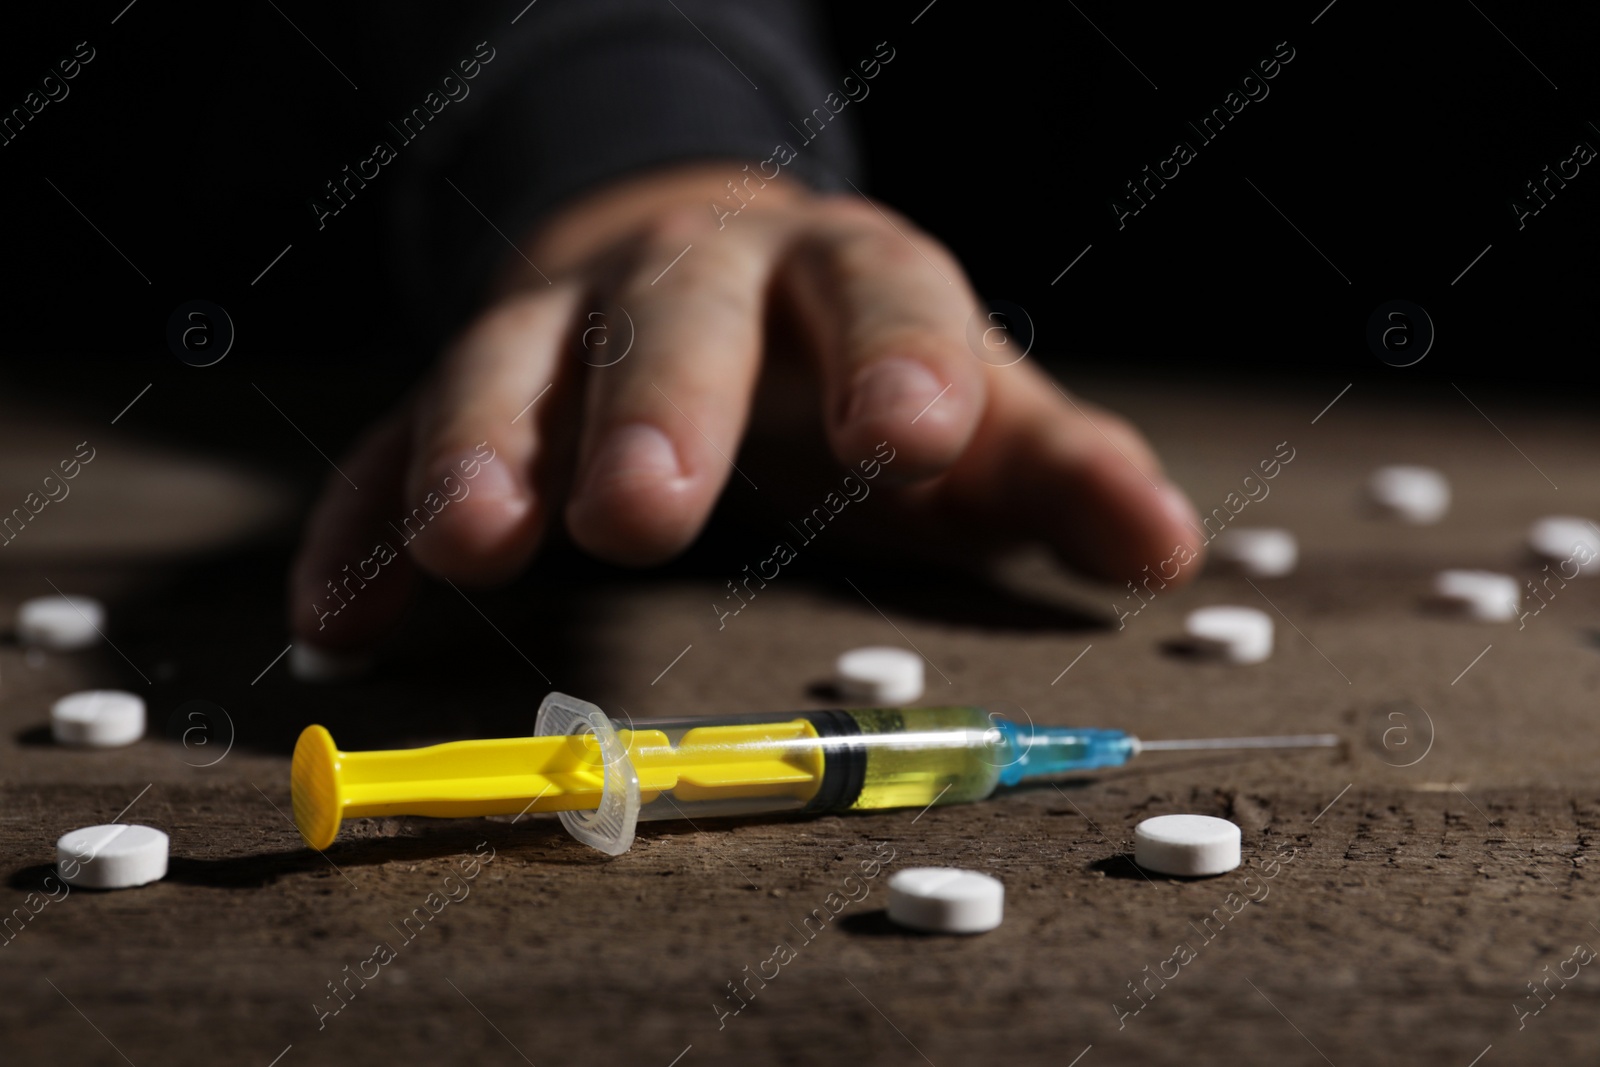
<point>602,777</point>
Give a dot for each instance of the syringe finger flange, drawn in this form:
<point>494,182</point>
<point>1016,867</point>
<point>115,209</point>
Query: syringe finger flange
<point>609,826</point>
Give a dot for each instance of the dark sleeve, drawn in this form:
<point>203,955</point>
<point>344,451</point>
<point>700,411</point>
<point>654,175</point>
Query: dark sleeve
<point>581,92</point>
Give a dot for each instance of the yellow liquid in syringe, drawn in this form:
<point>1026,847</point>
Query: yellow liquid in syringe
<point>913,775</point>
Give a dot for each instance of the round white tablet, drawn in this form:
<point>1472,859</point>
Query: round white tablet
<point>946,900</point>
<point>881,675</point>
<point>1567,539</point>
<point>308,664</point>
<point>1238,635</point>
<point>1186,845</point>
<point>1481,595</point>
<point>98,718</point>
<point>1261,552</point>
<point>62,623</point>
<point>116,856</point>
<point>1419,495</point>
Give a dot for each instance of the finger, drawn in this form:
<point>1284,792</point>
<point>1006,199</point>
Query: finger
<point>351,577</point>
<point>1084,480</point>
<point>663,424</point>
<point>888,309</point>
<point>482,482</point>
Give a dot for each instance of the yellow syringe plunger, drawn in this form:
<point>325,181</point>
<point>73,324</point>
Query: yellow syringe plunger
<point>451,781</point>
<point>314,787</point>
<point>577,764</point>
<point>561,768</point>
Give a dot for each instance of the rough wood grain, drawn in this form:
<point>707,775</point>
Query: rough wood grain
<point>1432,878</point>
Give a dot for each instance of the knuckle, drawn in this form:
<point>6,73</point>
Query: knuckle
<point>867,250</point>
<point>847,209</point>
<point>508,317</point>
<point>715,280</point>
<point>718,293</point>
<point>871,248</point>
<point>676,225</point>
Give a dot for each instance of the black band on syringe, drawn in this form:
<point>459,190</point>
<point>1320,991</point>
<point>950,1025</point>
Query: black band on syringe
<point>844,765</point>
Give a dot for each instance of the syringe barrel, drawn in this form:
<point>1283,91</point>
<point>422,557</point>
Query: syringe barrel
<point>763,762</point>
<point>813,761</point>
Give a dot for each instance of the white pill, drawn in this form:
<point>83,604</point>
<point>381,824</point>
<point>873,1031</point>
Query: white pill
<point>1238,635</point>
<point>116,856</point>
<point>98,718</point>
<point>308,664</point>
<point>882,675</point>
<point>1261,552</point>
<point>1418,495</point>
<point>1567,539</point>
<point>946,900</point>
<point>62,623</point>
<point>1481,595</point>
<point>1186,845</point>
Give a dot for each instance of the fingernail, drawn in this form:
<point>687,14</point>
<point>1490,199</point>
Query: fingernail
<point>637,452</point>
<point>896,390</point>
<point>495,478</point>
<point>1178,507</point>
<point>469,475</point>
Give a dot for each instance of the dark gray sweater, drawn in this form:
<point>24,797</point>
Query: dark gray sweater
<point>578,93</point>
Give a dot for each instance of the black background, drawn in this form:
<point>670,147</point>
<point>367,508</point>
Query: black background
<point>1395,141</point>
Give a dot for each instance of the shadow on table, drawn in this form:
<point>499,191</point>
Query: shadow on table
<point>877,924</point>
<point>462,662</point>
<point>965,599</point>
<point>207,648</point>
<point>35,737</point>
<point>1121,866</point>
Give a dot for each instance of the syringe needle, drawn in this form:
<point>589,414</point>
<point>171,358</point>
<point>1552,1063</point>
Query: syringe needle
<point>1282,741</point>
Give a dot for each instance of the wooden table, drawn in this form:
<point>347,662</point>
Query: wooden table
<point>1428,873</point>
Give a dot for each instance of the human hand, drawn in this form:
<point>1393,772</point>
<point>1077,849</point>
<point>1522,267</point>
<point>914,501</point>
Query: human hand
<point>512,437</point>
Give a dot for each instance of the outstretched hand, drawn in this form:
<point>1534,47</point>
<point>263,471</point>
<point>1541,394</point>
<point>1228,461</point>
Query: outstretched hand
<point>512,436</point>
